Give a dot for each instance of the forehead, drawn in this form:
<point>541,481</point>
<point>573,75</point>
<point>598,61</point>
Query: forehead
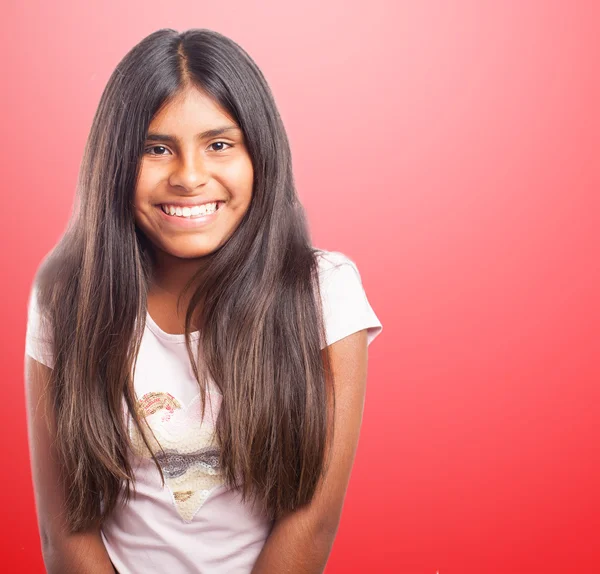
<point>191,110</point>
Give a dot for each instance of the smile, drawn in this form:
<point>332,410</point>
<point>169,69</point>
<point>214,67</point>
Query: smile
<point>193,211</point>
<point>199,216</point>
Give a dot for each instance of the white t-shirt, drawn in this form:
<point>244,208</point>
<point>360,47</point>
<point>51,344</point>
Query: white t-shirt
<point>194,524</point>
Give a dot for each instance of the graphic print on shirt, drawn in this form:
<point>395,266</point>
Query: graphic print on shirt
<point>189,457</point>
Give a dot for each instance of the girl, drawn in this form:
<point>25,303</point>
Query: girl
<point>195,369</point>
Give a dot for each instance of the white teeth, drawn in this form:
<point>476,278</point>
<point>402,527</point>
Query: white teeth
<point>203,209</point>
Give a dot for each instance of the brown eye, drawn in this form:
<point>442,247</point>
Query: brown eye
<point>154,147</point>
<point>220,143</point>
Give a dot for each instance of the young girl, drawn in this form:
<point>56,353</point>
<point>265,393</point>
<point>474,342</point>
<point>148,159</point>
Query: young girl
<point>195,369</point>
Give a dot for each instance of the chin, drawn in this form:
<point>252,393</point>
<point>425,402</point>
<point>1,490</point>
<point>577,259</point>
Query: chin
<point>192,251</point>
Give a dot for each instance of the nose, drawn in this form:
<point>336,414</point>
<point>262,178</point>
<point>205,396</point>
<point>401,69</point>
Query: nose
<point>190,172</point>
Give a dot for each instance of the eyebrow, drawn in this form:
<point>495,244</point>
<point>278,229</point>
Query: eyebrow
<point>153,136</point>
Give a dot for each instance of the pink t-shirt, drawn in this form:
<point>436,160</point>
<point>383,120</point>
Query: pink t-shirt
<point>194,523</point>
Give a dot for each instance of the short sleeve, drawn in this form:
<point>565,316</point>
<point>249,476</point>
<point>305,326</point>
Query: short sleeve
<point>346,308</point>
<point>38,340</point>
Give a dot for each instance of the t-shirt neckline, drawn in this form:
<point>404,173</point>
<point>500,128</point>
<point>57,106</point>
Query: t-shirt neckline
<point>171,337</point>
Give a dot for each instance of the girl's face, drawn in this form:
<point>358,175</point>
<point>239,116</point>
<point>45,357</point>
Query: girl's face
<point>195,160</point>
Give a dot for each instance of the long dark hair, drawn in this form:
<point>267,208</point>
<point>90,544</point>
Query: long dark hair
<point>261,316</point>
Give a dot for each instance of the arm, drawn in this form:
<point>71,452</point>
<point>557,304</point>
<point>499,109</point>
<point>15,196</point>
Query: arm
<point>300,542</point>
<point>63,553</point>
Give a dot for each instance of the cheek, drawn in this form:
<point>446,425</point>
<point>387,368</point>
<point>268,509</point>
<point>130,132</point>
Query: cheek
<point>143,196</point>
<point>240,177</point>
<point>138,208</point>
<point>148,180</point>
<point>143,210</point>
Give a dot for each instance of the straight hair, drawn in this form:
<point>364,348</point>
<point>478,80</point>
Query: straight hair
<point>261,324</point>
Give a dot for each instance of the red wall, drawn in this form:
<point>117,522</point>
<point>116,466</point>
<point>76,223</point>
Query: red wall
<point>452,150</point>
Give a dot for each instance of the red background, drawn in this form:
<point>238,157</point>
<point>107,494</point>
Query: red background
<point>449,148</point>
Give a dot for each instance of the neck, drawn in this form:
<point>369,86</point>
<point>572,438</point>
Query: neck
<point>170,276</point>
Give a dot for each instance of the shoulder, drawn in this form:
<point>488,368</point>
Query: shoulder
<point>346,307</point>
<point>38,337</point>
<point>332,260</point>
<point>338,274</point>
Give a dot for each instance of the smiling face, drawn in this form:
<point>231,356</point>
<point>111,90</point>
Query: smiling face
<point>194,156</point>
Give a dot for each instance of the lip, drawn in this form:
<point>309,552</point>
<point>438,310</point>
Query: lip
<point>191,222</point>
